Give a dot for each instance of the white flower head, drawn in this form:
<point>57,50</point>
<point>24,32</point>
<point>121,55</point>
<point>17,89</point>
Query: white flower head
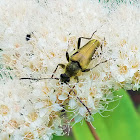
<point>34,38</point>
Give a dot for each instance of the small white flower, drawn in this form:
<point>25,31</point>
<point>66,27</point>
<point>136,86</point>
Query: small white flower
<point>72,103</point>
<point>63,97</point>
<point>56,107</point>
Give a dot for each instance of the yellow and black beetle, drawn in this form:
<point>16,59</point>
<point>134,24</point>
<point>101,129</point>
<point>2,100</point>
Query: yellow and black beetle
<point>78,62</point>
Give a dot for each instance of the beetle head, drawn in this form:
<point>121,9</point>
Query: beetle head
<point>64,78</point>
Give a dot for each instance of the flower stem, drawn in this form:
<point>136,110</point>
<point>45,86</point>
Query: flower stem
<point>95,135</point>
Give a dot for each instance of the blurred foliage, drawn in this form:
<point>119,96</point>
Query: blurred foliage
<point>81,131</point>
<point>123,123</point>
<point>138,109</point>
<point>4,70</point>
<point>119,1</point>
<point>63,138</point>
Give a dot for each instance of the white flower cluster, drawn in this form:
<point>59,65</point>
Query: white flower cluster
<point>34,38</point>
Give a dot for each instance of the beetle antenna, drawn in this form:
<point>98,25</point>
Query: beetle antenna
<point>38,78</point>
<point>78,99</point>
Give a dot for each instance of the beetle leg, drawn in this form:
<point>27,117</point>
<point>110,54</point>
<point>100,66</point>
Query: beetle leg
<point>99,64</point>
<point>79,39</point>
<point>102,45</point>
<point>79,99</point>
<point>71,90</point>
<point>61,65</point>
<point>83,104</point>
<point>76,78</point>
<point>87,70</point>
<point>67,56</point>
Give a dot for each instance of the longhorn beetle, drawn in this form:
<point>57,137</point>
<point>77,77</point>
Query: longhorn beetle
<point>78,62</point>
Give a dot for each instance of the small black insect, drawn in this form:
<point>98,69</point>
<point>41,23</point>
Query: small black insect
<point>28,37</point>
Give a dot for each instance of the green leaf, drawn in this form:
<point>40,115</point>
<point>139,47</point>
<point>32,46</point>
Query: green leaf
<point>101,128</point>
<point>82,131</point>
<point>123,122</point>
<point>62,138</point>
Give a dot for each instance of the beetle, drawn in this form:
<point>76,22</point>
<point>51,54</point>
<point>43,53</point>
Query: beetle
<point>80,60</point>
<point>77,63</point>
